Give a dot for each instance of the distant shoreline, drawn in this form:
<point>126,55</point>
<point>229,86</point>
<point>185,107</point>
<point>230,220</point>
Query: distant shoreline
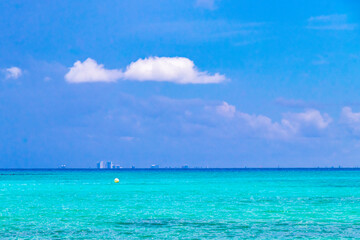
<point>185,169</point>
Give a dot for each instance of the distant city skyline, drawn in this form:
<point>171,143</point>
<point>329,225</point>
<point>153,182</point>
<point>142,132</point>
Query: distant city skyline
<point>107,165</point>
<point>208,83</point>
<point>112,165</point>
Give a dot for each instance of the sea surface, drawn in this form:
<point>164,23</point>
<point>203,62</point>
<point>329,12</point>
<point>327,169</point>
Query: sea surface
<point>180,204</point>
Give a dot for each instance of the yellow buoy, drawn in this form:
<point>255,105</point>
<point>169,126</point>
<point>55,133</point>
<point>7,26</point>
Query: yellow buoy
<point>116,180</point>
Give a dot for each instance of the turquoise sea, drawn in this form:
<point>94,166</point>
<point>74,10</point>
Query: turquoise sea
<point>180,204</point>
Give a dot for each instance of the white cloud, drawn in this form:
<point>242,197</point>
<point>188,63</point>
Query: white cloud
<point>307,123</point>
<point>13,73</point>
<point>310,117</point>
<point>330,22</point>
<point>162,69</point>
<point>226,110</point>
<point>169,69</point>
<point>207,4</point>
<point>351,119</point>
<point>310,122</point>
<point>292,124</point>
<point>263,126</point>
<point>90,71</point>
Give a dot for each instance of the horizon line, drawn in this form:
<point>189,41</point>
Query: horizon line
<point>185,169</point>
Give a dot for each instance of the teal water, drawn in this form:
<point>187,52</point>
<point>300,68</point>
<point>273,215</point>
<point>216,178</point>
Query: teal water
<point>246,204</point>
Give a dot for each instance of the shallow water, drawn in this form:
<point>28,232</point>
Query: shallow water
<point>185,204</point>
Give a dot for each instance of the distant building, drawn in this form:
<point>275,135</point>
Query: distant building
<point>109,165</point>
<point>133,167</point>
<point>100,165</point>
<point>185,166</point>
<point>154,166</point>
<point>62,166</point>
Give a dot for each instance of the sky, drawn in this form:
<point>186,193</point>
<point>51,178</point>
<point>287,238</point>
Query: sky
<point>204,83</point>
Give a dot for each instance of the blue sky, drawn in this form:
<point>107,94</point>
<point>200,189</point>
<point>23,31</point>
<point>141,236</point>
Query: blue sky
<point>208,83</point>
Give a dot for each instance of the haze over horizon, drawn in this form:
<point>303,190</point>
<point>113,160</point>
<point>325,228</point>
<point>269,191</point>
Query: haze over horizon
<point>207,83</point>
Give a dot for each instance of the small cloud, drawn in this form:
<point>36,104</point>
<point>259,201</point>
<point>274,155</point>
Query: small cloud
<point>13,73</point>
<point>46,79</point>
<point>226,110</point>
<point>350,119</point>
<point>330,22</point>
<point>160,69</point>
<point>207,4</point>
<point>90,71</point>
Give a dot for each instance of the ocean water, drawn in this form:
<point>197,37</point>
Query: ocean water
<point>182,204</point>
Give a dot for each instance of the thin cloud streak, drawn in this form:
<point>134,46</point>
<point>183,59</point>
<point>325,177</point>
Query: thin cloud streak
<point>330,22</point>
<point>206,4</point>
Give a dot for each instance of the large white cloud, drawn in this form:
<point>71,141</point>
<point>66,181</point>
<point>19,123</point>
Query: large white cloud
<point>169,69</point>
<point>13,73</point>
<point>90,71</point>
<point>162,69</point>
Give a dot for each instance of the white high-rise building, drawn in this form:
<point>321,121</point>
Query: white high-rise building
<point>109,165</point>
<point>101,165</point>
